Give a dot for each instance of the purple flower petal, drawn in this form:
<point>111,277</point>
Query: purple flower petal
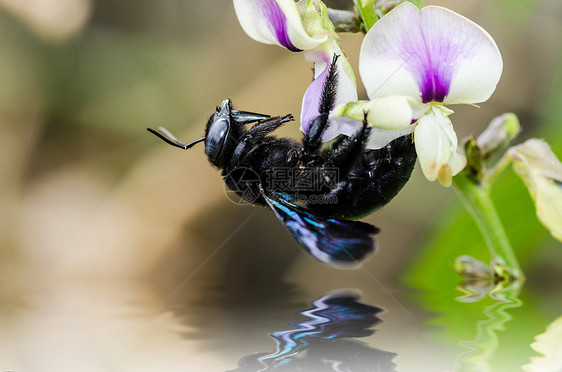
<point>275,22</point>
<point>312,98</point>
<point>434,55</point>
<point>346,90</point>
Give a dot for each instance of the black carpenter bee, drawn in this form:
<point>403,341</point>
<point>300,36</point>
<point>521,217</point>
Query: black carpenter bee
<point>316,193</point>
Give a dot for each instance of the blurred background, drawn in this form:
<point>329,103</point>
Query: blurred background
<point>118,252</point>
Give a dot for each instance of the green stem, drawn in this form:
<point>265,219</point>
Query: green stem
<point>479,203</point>
<point>366,13</point>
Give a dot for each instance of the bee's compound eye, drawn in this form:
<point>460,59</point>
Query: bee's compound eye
<point>216,137</point>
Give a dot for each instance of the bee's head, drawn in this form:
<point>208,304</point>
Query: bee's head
<point>221,135</point>
<point>224,129</point>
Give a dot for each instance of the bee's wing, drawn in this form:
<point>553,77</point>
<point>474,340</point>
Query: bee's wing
<point>336,242</point>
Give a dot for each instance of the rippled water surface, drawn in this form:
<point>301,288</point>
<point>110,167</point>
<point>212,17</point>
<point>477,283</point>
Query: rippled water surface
<point>275,326</point>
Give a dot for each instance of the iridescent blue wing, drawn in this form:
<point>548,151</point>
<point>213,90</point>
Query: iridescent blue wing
<point>336,242</point>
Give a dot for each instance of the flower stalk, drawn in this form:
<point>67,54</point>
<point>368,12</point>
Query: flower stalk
<point>477,199</point>
<point>366,11</point>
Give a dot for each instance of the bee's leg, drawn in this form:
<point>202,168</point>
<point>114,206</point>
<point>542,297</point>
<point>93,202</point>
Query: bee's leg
<point>249,142</point>
<point>265,127</point>
<point>313,139</point>
<point>344,152</point>
<point>340,159</point>
<point>245,117</point>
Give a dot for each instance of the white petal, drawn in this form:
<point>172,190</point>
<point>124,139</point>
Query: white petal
<point>386,59</point>
<point>436,143</point>
<point>394,112</point>
<point>457,161</point>
<point>347,126</point>
<point>276,22</point>
<point>381,137</point>
<point>377,139</point>
<point>432,55</point>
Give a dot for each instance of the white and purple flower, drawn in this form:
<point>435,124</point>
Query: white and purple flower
<point>412,63</point>
<point>302,27</point>
<point>421,60</point>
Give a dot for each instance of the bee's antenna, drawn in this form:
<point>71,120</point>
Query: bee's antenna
<point>170,139</point>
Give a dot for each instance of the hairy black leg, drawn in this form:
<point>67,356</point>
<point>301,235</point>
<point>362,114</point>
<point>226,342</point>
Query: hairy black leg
<point>343,156</point>
<point>265,127</point>
<point>343,153</point>
<point>256,134</point>
<point>313,139</point>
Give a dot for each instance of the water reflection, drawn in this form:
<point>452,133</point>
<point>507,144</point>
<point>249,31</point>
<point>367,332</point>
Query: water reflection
<point>326,340</point>
<point>485,344</point>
